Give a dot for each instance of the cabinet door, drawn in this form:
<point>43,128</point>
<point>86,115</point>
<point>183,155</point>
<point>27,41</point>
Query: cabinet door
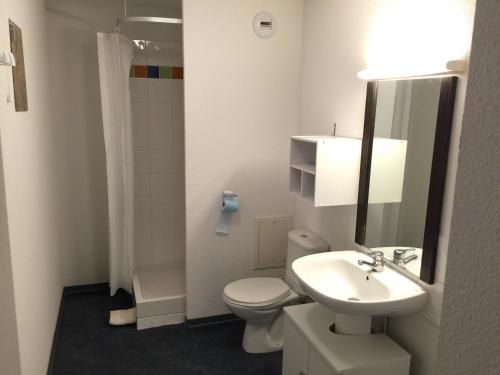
<point>317,365</point>
<point>337,171</point>
<point>295,351</point>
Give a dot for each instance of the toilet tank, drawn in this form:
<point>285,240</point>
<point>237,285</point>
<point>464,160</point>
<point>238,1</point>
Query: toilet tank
<point>301,243</point>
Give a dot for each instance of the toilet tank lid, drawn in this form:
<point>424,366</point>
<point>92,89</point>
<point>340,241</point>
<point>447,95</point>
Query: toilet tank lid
<point>307,240</point>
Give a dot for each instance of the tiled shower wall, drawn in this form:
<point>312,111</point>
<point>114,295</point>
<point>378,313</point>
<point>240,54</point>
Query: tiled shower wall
<point>158,124</point>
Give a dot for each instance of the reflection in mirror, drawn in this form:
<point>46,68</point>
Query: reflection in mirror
<point>403,170</point>
<point>401,164</point>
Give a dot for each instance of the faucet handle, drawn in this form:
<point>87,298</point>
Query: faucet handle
<point>399,253</point>
<point>378,261</point>
<point>378,256</point>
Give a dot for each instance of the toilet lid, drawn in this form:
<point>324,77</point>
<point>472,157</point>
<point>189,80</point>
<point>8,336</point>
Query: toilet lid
<point>257,290</point>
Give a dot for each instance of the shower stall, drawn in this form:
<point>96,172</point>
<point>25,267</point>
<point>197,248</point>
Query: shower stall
<point>143,118</point>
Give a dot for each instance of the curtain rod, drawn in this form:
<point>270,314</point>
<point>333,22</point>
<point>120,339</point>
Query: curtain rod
<point>175,21</point>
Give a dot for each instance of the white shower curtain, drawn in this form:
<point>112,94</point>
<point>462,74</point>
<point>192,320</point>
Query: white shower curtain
<point>115,58</point>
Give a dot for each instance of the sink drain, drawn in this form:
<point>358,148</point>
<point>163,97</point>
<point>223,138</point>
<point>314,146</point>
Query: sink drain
<point>353,299</point>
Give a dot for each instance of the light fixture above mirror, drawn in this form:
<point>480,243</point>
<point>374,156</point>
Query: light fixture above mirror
<point>412,72</point>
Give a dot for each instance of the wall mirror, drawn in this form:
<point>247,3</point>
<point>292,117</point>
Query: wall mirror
<point>403,169</point>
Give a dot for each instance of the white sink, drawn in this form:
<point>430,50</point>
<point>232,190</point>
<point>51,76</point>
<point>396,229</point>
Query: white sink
<point>335,280</point>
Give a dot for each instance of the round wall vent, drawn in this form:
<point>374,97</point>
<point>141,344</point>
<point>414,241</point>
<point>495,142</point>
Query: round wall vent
<point>264,25</point>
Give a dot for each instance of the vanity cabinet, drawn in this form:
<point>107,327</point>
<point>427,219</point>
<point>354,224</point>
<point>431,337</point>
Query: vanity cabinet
<point>311,348</point>
<point>324,170</point>
<point>301,358</point>
<point>295,354</point>
<point>317,365</point>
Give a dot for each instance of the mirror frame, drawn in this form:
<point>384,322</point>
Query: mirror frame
<point>438,172</point>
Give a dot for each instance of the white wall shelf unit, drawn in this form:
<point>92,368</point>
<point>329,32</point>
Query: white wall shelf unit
<point>324,170</point>
<point>311,348</point>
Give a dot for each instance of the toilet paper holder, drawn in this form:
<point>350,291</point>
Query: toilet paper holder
<point>229,205</point>
<point>229,194</point>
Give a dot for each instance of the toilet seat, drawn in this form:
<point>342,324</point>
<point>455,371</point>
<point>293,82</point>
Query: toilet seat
<point>257,291</point>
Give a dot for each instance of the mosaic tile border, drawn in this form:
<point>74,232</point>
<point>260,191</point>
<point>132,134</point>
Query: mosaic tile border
<point>156,72</point>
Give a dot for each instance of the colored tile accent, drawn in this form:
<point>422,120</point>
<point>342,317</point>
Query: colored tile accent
<point>165,72</point>
<point>153,71</point>
<point>177,72</point>
<point>140,71</point>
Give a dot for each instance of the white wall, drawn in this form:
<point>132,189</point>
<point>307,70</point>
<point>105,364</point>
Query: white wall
<point>73,25</point>
<point>333,39</point>
<point>10,362</point>
<point>470,326</point>
<point>31,160</point>
<point>341,38</point>
<point>241,98</point>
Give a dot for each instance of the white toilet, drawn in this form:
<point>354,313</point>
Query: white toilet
<point>259,300</point>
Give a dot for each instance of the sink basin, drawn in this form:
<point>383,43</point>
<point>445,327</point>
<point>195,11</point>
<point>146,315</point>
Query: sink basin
<point>335,280</point>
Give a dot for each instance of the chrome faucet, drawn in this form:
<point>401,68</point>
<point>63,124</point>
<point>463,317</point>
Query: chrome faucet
<point>378,261</point>
<point>398,256</point>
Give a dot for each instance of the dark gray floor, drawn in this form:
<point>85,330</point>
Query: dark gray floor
<point>88,345</point>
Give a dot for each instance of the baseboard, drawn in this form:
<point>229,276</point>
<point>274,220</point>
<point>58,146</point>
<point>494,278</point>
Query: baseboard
<point>160,320</point>
<point>211,320</point>
<point>50,367</point>
<point>88,288</point>
<point>69,290</point>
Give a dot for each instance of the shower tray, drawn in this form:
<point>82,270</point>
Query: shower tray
<point>160,294</point>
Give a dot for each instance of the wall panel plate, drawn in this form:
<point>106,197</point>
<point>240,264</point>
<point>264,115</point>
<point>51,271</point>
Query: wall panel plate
<point>271,241</point>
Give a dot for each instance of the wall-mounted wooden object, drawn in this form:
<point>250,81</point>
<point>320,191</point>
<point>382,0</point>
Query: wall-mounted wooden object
<point>18,73</point>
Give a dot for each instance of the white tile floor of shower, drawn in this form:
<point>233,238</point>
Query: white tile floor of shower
<point>160,294</point>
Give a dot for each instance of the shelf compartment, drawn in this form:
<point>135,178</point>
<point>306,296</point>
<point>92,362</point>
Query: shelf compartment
<point>295,181</point>
<point>308,168</point>
<point>308,186</point>
<point>303,153</point>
